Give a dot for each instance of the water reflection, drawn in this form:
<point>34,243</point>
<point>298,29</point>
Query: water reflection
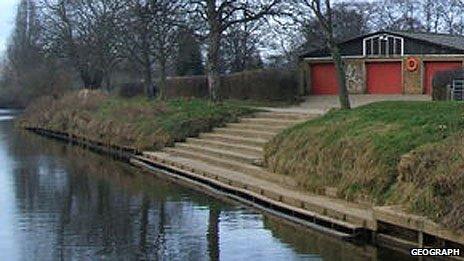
<point>59,202</point>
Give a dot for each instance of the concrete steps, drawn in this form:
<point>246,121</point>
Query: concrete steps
<point>221,153</point>
<point>251,150</point>
<point>246,133</point>
<point>194,164</point>
<point>236,149</point>
<point>271,121</point>
<point>257,127</point>
<point>217,160</point>
<point>233,139</point>
<point>284,115</point>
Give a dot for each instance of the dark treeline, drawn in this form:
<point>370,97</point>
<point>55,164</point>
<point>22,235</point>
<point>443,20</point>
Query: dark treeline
<point>59,45</point>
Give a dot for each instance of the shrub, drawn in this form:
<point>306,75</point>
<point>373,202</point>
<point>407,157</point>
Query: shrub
<point>19,86</point>
<point>129,90</point>
<point>266,84</point>
<point>188,86</point>
<point>259,85</point>
<point>440,82</point>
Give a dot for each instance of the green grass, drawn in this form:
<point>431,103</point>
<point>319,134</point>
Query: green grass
<point>381,152</point>
<point>394,128</point>
<point>136,122</point>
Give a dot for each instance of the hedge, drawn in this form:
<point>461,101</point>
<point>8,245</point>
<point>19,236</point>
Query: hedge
<point>268,85</point>
<point>261,85</point>
<point>188,86</point>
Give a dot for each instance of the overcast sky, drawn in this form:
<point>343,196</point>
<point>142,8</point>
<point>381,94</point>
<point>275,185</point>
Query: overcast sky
<point>7,13</point>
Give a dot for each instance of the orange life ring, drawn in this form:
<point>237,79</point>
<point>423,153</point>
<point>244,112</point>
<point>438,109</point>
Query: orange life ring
<point>412,64</point>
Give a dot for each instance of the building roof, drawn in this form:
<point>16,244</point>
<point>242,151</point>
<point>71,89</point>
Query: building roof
<point>444,40</point>
<point>449,40</point>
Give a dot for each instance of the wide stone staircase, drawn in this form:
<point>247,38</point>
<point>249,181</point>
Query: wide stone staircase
<point>235,148</point>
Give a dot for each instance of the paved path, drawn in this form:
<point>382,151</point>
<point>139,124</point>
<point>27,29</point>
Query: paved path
<point>320,104</point>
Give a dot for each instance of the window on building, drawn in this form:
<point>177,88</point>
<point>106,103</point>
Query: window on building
<point>383,45</point>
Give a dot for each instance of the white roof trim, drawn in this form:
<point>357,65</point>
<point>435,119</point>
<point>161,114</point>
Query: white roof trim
<point>383,36</point>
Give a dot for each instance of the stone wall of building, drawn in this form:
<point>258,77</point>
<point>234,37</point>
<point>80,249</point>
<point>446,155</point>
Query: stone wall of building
<point>304,78</point>
<point>355,76</point>
<point>412,81</point>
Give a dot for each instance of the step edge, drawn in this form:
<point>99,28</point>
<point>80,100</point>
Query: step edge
<point>219,151</point>
<point>216,142</point>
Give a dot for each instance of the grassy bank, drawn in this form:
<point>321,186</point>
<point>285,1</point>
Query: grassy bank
<point>135,122</point>
<point>409,153</point>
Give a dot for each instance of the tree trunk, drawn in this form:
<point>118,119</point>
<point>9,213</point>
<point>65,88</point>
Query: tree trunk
<point>91,78</point>
<point>107,81</point>
<point>162,83</point>
<point>86,79</point>
<point>148,81</point>
<point>214,81</point>
<point>341,77</point>
<point>428,16</point>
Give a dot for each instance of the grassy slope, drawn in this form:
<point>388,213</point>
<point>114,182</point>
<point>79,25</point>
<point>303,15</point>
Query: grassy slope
<point>388,152</point>
<point>135,122</point>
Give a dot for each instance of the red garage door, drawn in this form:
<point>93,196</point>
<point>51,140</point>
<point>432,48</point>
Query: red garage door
<point>431,68</point>
<point>323,79</point>
<point>384,78</point>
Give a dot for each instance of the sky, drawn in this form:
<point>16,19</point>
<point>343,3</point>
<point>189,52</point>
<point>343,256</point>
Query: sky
<point>7,13</point>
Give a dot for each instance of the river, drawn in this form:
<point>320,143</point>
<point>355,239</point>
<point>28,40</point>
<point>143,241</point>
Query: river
<point>61,202</point>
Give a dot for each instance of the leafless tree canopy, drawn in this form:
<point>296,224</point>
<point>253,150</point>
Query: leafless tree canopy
<point>62,44</point>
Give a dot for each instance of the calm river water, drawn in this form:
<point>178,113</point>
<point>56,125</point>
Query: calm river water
<point>59,202</point>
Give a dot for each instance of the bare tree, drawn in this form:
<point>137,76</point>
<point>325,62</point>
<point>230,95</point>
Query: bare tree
<point>105,16</point>
<point>432,12</point>
<point>149,38</point>
<point>451,15</point>
<point>324,14</point>
<point>85,32</point>
<point>398,15</point>
<point>167,23</point>
<point>349,21</point>
<point>240,47</point>
<point>217,16</point>
<point>28,73</point>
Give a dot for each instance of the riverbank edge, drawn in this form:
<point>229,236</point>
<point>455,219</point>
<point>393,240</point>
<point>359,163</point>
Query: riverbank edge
<point>384,217</point>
